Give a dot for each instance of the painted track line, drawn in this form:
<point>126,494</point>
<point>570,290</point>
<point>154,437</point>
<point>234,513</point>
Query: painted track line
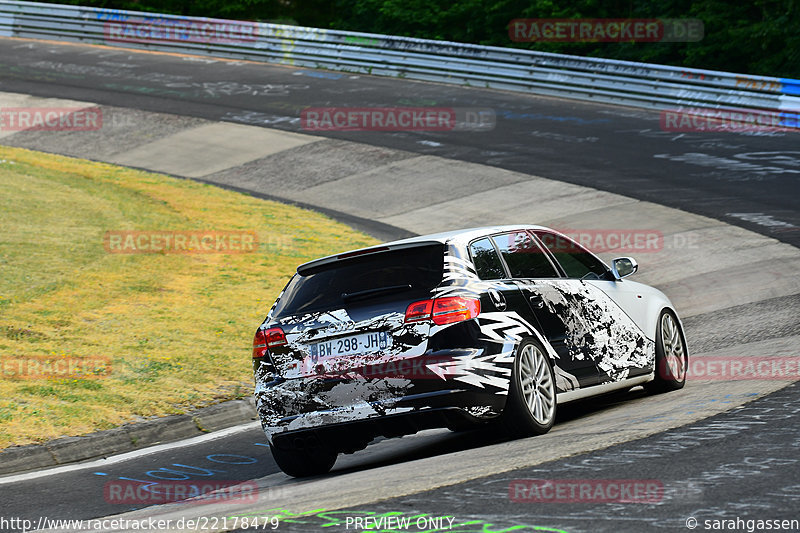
<point>99,463</point>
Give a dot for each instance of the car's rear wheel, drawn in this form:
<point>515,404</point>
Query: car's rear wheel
<point>304,462</point>
<point>672,357</point>
<point>531,406</point>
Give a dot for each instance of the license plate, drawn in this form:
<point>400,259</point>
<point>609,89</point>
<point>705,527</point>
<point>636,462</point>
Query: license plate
<point>352,345</point>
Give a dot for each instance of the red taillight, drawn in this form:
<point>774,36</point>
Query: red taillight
<point>444,310</point>
<point>264,340</point>
<point>259,345</point>
<point>275,337</point>
<point>455,309</point>
<point>419,311</point>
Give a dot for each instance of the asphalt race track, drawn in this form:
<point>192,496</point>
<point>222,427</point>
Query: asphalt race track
<point>606,147</point>
<point>714,455</point>
<point>748,456</point>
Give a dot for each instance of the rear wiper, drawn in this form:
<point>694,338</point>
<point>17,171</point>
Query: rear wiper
<point>373,292</point>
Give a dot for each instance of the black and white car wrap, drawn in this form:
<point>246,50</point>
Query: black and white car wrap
<point>598,333</point>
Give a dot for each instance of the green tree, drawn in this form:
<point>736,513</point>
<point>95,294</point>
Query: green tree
<point>757,37</point>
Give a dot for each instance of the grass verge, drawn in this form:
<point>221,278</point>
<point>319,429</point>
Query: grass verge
<point>176,329</point>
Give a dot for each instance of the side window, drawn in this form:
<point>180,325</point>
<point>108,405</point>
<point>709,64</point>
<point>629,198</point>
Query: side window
<point>573,258</point>
<point>524,257</point>
<point>487,262</point>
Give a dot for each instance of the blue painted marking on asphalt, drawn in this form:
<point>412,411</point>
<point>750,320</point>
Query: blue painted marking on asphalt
<point>261,444</point>
<point>187,472</point>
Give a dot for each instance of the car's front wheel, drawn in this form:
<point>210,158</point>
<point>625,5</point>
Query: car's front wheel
<point>304,462</point>
<point>531,405</point>
<point>672,357</point>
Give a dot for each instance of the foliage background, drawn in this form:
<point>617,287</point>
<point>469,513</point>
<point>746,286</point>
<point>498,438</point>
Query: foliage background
<point>753,37</point>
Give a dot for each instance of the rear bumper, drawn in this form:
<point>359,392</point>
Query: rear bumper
<point>461,376</point>
<point>349,437</point>
<point>347,414</point>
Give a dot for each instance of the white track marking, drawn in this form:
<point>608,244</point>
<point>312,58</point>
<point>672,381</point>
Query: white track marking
<point>127,456</point>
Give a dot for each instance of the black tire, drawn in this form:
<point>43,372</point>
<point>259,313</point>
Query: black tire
<point>304,462</point>
<point>672,356</point>
<point>531,405</point>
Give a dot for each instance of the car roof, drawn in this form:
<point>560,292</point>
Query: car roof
<point>461,236</point>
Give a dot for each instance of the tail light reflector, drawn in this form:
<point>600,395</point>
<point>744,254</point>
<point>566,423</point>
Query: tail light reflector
<point>444,310</point>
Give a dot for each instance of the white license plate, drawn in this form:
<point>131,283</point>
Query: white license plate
<point>351,345</point>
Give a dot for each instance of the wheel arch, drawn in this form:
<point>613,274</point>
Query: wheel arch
<point>537,335</point>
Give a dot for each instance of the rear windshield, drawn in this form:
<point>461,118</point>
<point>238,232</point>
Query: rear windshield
<point>386,273</point>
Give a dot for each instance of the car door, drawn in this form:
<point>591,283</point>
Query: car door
<point>600,331</point>
<point>502,301</point>
<point>536,277</point>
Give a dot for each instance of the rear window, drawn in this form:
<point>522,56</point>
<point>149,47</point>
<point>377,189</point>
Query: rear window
<point>386,273</point>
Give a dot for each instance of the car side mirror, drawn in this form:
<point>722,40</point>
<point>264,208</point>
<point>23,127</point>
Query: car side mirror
<point>623,267</point>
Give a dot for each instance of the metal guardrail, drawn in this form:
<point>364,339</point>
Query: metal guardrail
<point>591,79</point>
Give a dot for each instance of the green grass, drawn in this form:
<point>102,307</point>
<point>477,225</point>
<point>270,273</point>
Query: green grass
<point>175,328</point>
